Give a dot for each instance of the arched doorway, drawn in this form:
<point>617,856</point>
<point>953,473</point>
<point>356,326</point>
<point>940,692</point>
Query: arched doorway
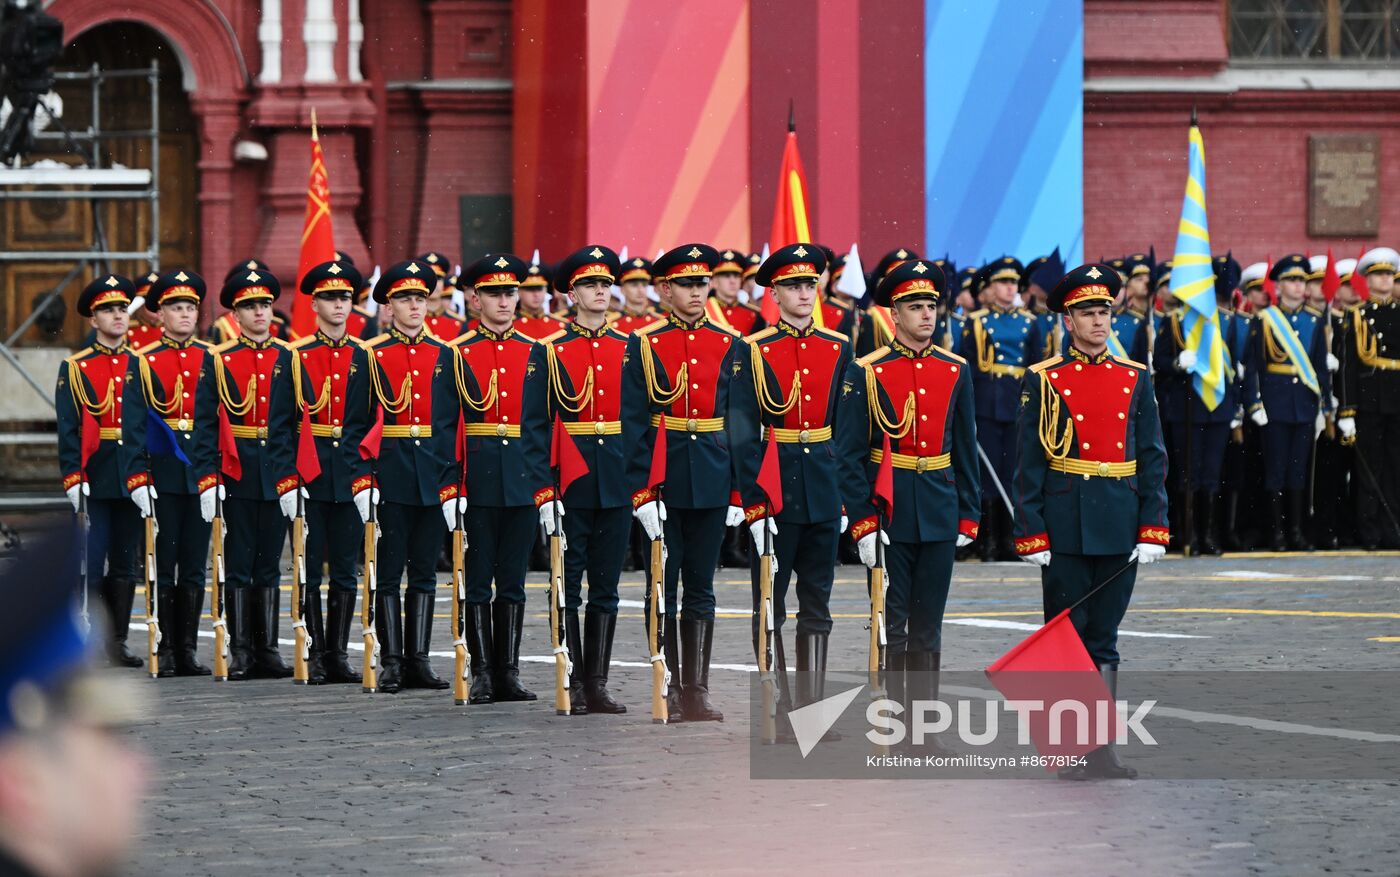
<point>68,224</point>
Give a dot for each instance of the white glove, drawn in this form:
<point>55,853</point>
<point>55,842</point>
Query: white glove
<point>145,499</point>
<point>288,502</point>
<point>1147,552</point>
<point>206,501</point>
<point>845,524</point>
<point>1259,416</point>
<point>450,508</point>
<point>964,540</point>
<point>1236,422</point>
<point>1332,363</point>
<point>1347,425</point>
<point>866,547</point>
<point>1040,558</point>
<point>1239,371</point>
<point>650,515</point>
<point>73,493</point>
<point>734,516</point>
<point>756,531</point>
<point>1186,360</point>
<point>368,497</point>
<point>552,517</point>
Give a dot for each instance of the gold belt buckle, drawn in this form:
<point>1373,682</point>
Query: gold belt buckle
<point>336,432</point>
<point>691,425</point>
<point>262,432</point>
<point>500,429</point>
<point>804,436</point>
<point>598,428</point>
<point>183,425</point>
<point>1103,469</point>
<point>922,464</point>
<point>414,430</point>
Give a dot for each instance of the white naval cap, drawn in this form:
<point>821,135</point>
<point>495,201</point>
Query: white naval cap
<point>1378,260</point>
<point>1252,277</point>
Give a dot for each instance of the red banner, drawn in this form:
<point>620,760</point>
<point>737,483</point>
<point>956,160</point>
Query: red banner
<point>317,239</point>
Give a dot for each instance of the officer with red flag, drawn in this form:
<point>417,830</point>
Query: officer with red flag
<point>332,392</point>
<point>907,410</point>
<point>177,381</point>
<point>797,370</point>
<point>1090,476</point>
<point>688,376</point>
<point>585,394</point>
<point>410,386</point>
<point>500,387</point>
<point>253,374</point>
<point>95,457</point>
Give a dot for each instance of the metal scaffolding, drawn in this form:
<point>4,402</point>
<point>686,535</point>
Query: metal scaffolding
<point>97,181</point>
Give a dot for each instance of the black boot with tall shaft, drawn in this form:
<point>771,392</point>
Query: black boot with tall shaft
<point>697,639</point>
<point>418,635</point>
<point>508,619</point>
<point>189,607</point>
<point>481,646</point>
<point>598,629</point>
<point>388,623</point>
<point>340,612</point>
<point>573,638</point>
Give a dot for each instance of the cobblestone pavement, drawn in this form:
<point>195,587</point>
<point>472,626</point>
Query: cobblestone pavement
<point>271,777</point>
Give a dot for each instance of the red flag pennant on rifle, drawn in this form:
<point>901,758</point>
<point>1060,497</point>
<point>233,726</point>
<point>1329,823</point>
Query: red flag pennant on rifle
<point>91,437</point>
<point>1330,281</point>
<point>1358,279</point>
<point>564,455</point>
<point>1269,286</point>
<point>459,447</point>
<point>770,478</point>
<point>308,462</point>
<point>317,239</point>
<point>1052,666</point>
<point>657,475</point>
<point>369,445</point>
<point>229,463</point>
<point>883,492</point>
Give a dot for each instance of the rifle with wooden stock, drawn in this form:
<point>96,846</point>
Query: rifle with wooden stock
<point>370,681</point>
<point>217,586</point>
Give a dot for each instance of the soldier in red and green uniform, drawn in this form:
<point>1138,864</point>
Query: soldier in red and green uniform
<point>1091,474</point>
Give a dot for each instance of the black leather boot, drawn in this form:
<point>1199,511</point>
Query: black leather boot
<point>340,612</point>
<point>697,638</point>
<point>481,647</point>
<point>316,636</point>
<point>508,620</point>
<point>119,595</point>
<point>1297,521</point>
<point>1277,540</point>
<point>1205,523</point>
<point>1107,765</point>
<point>573,638</point>
<point>987,535</point>
<point>923,685</point>
<point>388,624</point>
<point>895,687</point>
<point>169,632</point>
<point>240,633</point>
<point>1229,534</point>
<point>784,694</point>
<point>811,673</point>
<point>418,635</point>
<point>189,606</point>
<point>675,692</point>
<point>267,659</point>
<point>598,629</point>
<point>1006,544</point>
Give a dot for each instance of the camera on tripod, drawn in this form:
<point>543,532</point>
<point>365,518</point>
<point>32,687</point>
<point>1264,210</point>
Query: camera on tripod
<point>30,43</point>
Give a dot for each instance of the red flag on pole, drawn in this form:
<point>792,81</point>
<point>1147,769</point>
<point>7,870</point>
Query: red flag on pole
<point>308,463</point>
<point>564,454</point>
<point>883,493</point>
<point>369,445</point>
<point>1269,287</point>
<point>1330,281</point>
<point>91,437</point>
<point>317,240</point>
<point>657,476</point>
<point>1358,279</point>
<point>790,213</point>
<point>770,478</point>
<point>229,463</point>
<point>1051,666</point>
